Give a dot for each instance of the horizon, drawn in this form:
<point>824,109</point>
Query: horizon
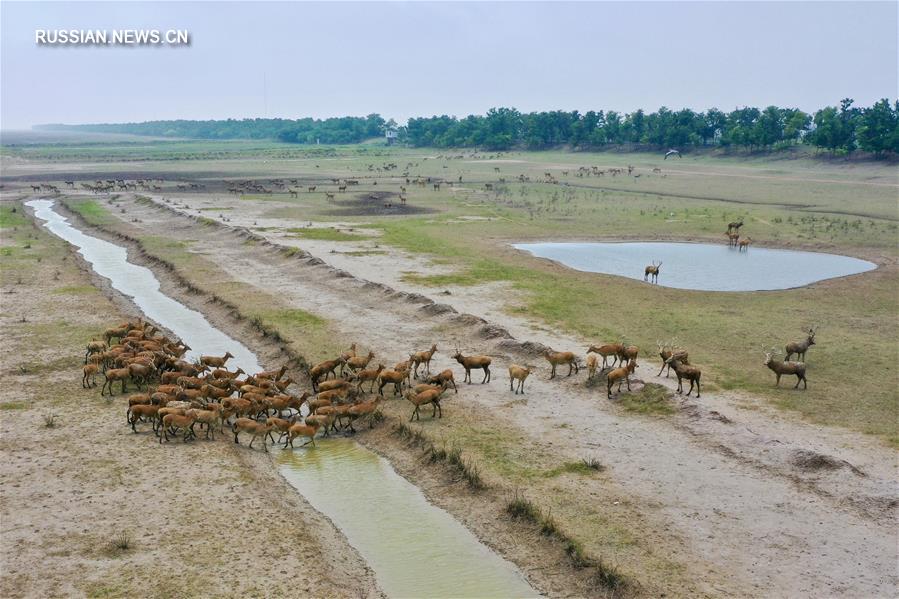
<point>470,57</point>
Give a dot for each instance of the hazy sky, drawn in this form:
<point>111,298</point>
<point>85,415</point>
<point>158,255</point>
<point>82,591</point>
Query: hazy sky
<point>419,59</point>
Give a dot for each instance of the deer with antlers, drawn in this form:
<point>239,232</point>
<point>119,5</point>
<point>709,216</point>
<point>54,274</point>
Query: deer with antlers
<point>800,347</point>
<point>667,350</point>
<point>685,371</point>
<point>734,226</point>
<point>781,368</point>
<point>653,271</point>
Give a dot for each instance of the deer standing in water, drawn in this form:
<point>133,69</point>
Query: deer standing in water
<point>652,270</point>
<point>733,238</point>
<point>744,244</point>
<point>800,347</point>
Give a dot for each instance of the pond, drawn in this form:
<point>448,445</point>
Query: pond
<point>702,266</point>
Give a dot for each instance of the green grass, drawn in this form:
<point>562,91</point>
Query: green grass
<point>324,234</point>
<point>91,211</point>
<point>651,399</point>
<point>11,216</point>
<point>76,290</point>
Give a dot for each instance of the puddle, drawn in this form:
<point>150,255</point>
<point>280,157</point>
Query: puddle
<point>415,548</point>
<point>701,266</point>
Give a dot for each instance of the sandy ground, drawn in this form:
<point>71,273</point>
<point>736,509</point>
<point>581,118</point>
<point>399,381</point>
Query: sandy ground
<point>203,519</point>
<point>726,481</point>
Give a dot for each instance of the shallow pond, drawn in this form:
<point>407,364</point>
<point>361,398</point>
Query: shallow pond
<point>415,548</point>
<point>708,267</point>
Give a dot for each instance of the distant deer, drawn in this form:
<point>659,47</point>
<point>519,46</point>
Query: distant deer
<point>781,368</point>
<point>799,348</point>
<point>732,238</point>
<point>329,196</point>
<point>744,244</point>
<point>293,193</point>
<point>311,188</point>
<point>734,226</point>
<point>652,270</point>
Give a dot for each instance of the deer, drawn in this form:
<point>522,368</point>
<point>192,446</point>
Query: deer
<point>561,357</point>
<point>519,374</point>
<point>781,368</point>
<point>422,357</point>
<point>653,271</point>
<point>591,365</point>
<point>444,378</point>
<point>733,238</point>
<point>685,371</point>
<point>620,375</point>
<point>607,350</point>
<point>215,361</point>
<point>469,362</point>
<point>734,226</point>
<point>800,347</point>
<point>744,244</point>
<point>666,351</point>
<point>359,362</point>
<point>329,196</point>
<point>429,396</point>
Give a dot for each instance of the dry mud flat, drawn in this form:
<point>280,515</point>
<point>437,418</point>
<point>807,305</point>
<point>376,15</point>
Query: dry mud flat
<point>759,504</point>
<point>202,519</point>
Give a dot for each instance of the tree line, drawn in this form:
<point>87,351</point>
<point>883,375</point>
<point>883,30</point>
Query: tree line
<point>839,129</point>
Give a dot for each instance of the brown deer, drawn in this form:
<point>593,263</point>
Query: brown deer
<point>781,368</point>
<point>744,244</point>
<point>734,226</point>
<point>800,347</point>
<point>733,238</point>
<point>561,357</point>
<point>666,351</point>
<point>685,371</point>
<point>469,362</point>
<point>620,375</point>
<point>422,357</point>
<point>606,351</point>
<point>653,271</point>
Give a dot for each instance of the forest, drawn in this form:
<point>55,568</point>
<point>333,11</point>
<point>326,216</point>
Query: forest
<point>840,130</point>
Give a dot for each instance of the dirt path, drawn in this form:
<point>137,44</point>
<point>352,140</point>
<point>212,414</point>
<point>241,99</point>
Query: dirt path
<point>206,519</point>
<point>734,483</point>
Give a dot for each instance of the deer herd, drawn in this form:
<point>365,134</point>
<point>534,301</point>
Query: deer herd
<point>175,396</point>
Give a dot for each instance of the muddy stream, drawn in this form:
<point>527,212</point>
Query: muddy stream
<point>415,548</point>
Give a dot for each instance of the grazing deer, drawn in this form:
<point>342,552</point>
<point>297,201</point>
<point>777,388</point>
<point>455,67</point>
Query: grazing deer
<point>744,244</point>
<point>561,357</point>
<point>652,270</point>
<point>469,362</point>
<point>329,196</point>
<point>685,371</point>
<point>781,368</point>
<point>799,348</point>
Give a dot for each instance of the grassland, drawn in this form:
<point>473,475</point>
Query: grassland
<point>798,202</point>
